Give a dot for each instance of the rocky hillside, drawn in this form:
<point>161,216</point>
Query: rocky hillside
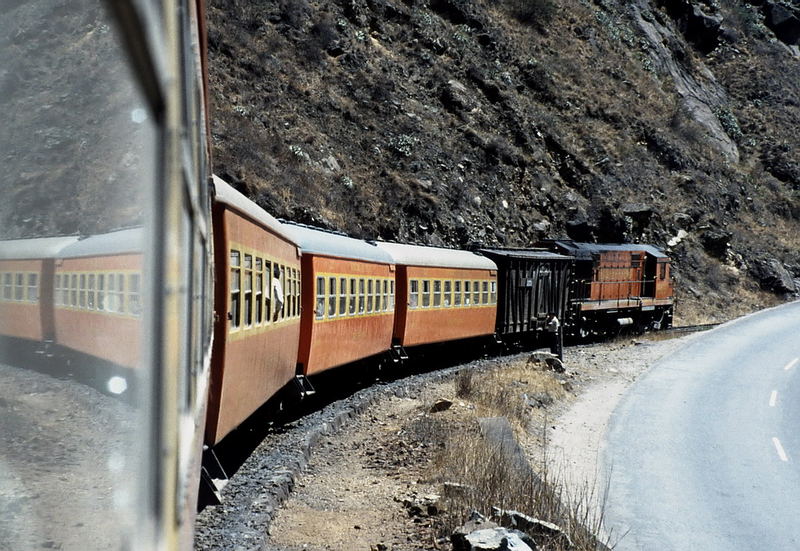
<point>499,122</point>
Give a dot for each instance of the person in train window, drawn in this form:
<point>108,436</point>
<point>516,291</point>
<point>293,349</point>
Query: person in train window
<point>277,292</point>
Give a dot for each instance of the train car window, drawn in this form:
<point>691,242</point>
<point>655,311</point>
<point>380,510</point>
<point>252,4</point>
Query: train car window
<point>101,292</point>
<point>285,287</point>
<point>247,308</point>
<point>370,294</point>
<point>236,275</point>
<point>258,299</point>
<point>319,310</point>
<point>7,286</point>
<point>332,298</point>
<point>90,291</point>
<point>385,296</point>
<point>391,296</point>
<point>426,293</point>
<point>494,292</point>
<point>134,294</point>
<point>413,294</point>
<point>33,287</point>
<point>457,293</point>
<point>57,290</point>
<point>19,286</point>
<point>361,296</point>
<point>73,291</point>
<point>342,296</point>
<point>448,293</point>
<point>467,293</point>
<point>351,309</point>
<point>437,293</point>
<point>268,291</point>
<point>476,293</point>
<point>485,292</point>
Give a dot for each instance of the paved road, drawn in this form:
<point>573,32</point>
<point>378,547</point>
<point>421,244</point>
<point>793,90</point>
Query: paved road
<point>704,451</point>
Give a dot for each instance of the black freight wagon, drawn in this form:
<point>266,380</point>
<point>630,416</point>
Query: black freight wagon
<point>531,283</point>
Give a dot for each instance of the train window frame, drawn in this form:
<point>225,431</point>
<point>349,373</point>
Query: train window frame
<point>457,293</point>
<point>391,295</point>
<point>351,306</point>
<point>285,288</point>
<point>426,293</point>
<point>319,309</point>
<point>361,296</point>
<point>73,291</point>
<point>370,295</point>
<point>447,296</point>
<point>33,287</point>
<point>385,302</point>
<point>493,290</point>
<point>437,293</point>
<point>268,288</point>
<point>247,291</point>
<point>485,292</point>
<point>234,294</point>
<point>101,292</point>
<point>476,292</point>
<point>342,296</point>
<point>413,294</point>
<point>258,290</point>
<point>467,293</point>
<point>134,294</point>
<point>333,298</point>
<point>90,292</point>
<point>19,286</point>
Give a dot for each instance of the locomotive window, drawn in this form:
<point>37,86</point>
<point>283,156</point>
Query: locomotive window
<point>448,293</point>
<point>361,296</point>
<point>90,292</point>
<point>457,293</point>
<point>391,295</point>
<point>342,296</point>
<point>467,293</point>
<point>352,306</point>
<point>331,297</point>
<point>258,301</point>
<point>247,310</point>
<point>19,286</point>
<point>370,295</point>
<point>413,296</point>
<point>134,294</point>
<point>494,292</point>
<point>33,287</point>
<point>437,293</point>
<point>426,293</point>
<point>385,295</point>
<point>485,292</point>
<point>476,292</point>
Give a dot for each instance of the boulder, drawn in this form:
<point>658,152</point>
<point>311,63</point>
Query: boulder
<point>441,405</point>
<point>456,97</point>
<point>783,21</point>
<point>773,276</point>
<point>550,360</point>
<point>544,533</point>
<point>492,539</point>
<point>716,242</point>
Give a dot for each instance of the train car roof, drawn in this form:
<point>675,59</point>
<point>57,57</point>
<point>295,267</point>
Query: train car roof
<point>417,255</point>
<point>533,254</point>
<point>125,241</point>
<point>226,195</point>
<point>585,250</point>
<point>326,243</point>
<point>40,247</point>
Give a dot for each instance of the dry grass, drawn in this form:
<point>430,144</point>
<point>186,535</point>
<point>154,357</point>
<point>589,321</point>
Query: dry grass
<point>480,475</point>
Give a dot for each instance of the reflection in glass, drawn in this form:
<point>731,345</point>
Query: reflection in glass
<point>78,155</point>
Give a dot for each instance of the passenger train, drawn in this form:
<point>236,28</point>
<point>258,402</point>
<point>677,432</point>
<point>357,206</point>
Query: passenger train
<point>209,306</point>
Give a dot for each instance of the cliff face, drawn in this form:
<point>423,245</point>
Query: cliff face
<point>462,122</point>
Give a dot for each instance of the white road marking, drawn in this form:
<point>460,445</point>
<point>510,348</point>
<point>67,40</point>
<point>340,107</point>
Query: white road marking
<point>779,449</point>
<point>791,364</point>
<point>773,398</point>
